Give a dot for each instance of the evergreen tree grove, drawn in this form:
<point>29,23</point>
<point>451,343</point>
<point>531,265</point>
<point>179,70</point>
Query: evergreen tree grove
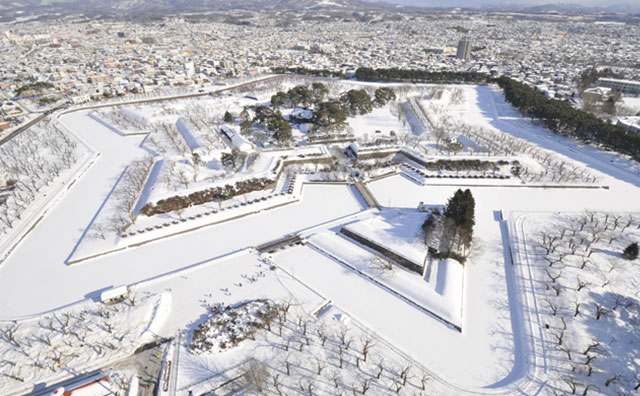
<point>460,217</point>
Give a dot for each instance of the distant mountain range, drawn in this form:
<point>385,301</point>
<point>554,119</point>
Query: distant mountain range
<point>160,7</point>
<point>14,9</point>
<point>628,7</point>
<point>531,6</point>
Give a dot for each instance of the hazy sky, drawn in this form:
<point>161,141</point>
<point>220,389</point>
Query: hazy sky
<point>449,3</point>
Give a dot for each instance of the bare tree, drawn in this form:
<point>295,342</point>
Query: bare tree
<point>566,350</point>
<point>404,374</point>
<point>335,377</point>
<point>320,365</point>
<point>9,334</point>
<point>382,264</point>
<point>423,381</point>
<point>593,347</point>
<point>552,277</point>
<point>366,384</point>
<point>367,344</point>
<point>612,380</point>
<point>588,387</point>
<point>552,307</point>
<point>559,337</point>
<point>287,365</point>
<point>45,339</point>
<point>310,388</point>
<point>600,311</point>
<point>256,374</point>
<point>581,285</point>
<point>573,385</point>
<point>621,301</point>
<point>584,262</point>
<point>380,370</point>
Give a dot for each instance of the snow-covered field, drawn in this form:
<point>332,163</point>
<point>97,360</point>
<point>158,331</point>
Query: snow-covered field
<point>383,122</point>
<point>502,299</point>
<point>585,295</point>
<point>397,230</point>
<point>298,352</point>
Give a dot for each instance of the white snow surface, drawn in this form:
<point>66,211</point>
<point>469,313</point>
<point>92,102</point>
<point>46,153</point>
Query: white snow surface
<point>397,230</point>
<point>502,348</point>
<point>439,291</point>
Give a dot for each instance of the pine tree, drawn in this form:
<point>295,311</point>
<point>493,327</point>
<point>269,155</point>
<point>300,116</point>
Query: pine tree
<point>468,216</point>
<point>246,126</point>
<point>228,117</point>
<point>631,251</point>
<point>460,211</point>
<point>454,207</point>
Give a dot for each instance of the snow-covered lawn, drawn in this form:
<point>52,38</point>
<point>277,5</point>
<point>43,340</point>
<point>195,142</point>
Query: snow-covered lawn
<point>493,315</point>
<point>297,352</point>
<point>378,124</point>
<point>320,204</point>
<point>423,337</point>
<point>439,291</point>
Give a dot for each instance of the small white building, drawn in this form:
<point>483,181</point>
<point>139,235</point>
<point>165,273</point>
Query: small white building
<point>236,139</point>
<point>631,123</point>
<point>114,295</point>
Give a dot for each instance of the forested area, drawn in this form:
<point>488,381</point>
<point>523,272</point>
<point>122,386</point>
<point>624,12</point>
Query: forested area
<point>309,72</point>
<point>560,117</point>
<point>398,75</point>
<point>327,111</point>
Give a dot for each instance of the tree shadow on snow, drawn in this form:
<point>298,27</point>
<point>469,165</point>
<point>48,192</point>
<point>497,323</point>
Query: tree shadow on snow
<point>618,332</point>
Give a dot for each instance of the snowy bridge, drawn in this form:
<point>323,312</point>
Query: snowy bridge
<point>366,194</point>
<point>272,245</point>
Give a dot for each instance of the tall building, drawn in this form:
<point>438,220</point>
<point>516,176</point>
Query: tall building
<point>464,49</point>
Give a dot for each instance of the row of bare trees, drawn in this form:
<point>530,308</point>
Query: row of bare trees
<point>120,120</point>
<point>34,159</point>
<point>441,125</point>
<point>555,168</point>
<point>125,198</point>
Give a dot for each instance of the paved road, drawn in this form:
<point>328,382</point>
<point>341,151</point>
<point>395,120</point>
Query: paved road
<point>23,128</point>
<point>148,365</point>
